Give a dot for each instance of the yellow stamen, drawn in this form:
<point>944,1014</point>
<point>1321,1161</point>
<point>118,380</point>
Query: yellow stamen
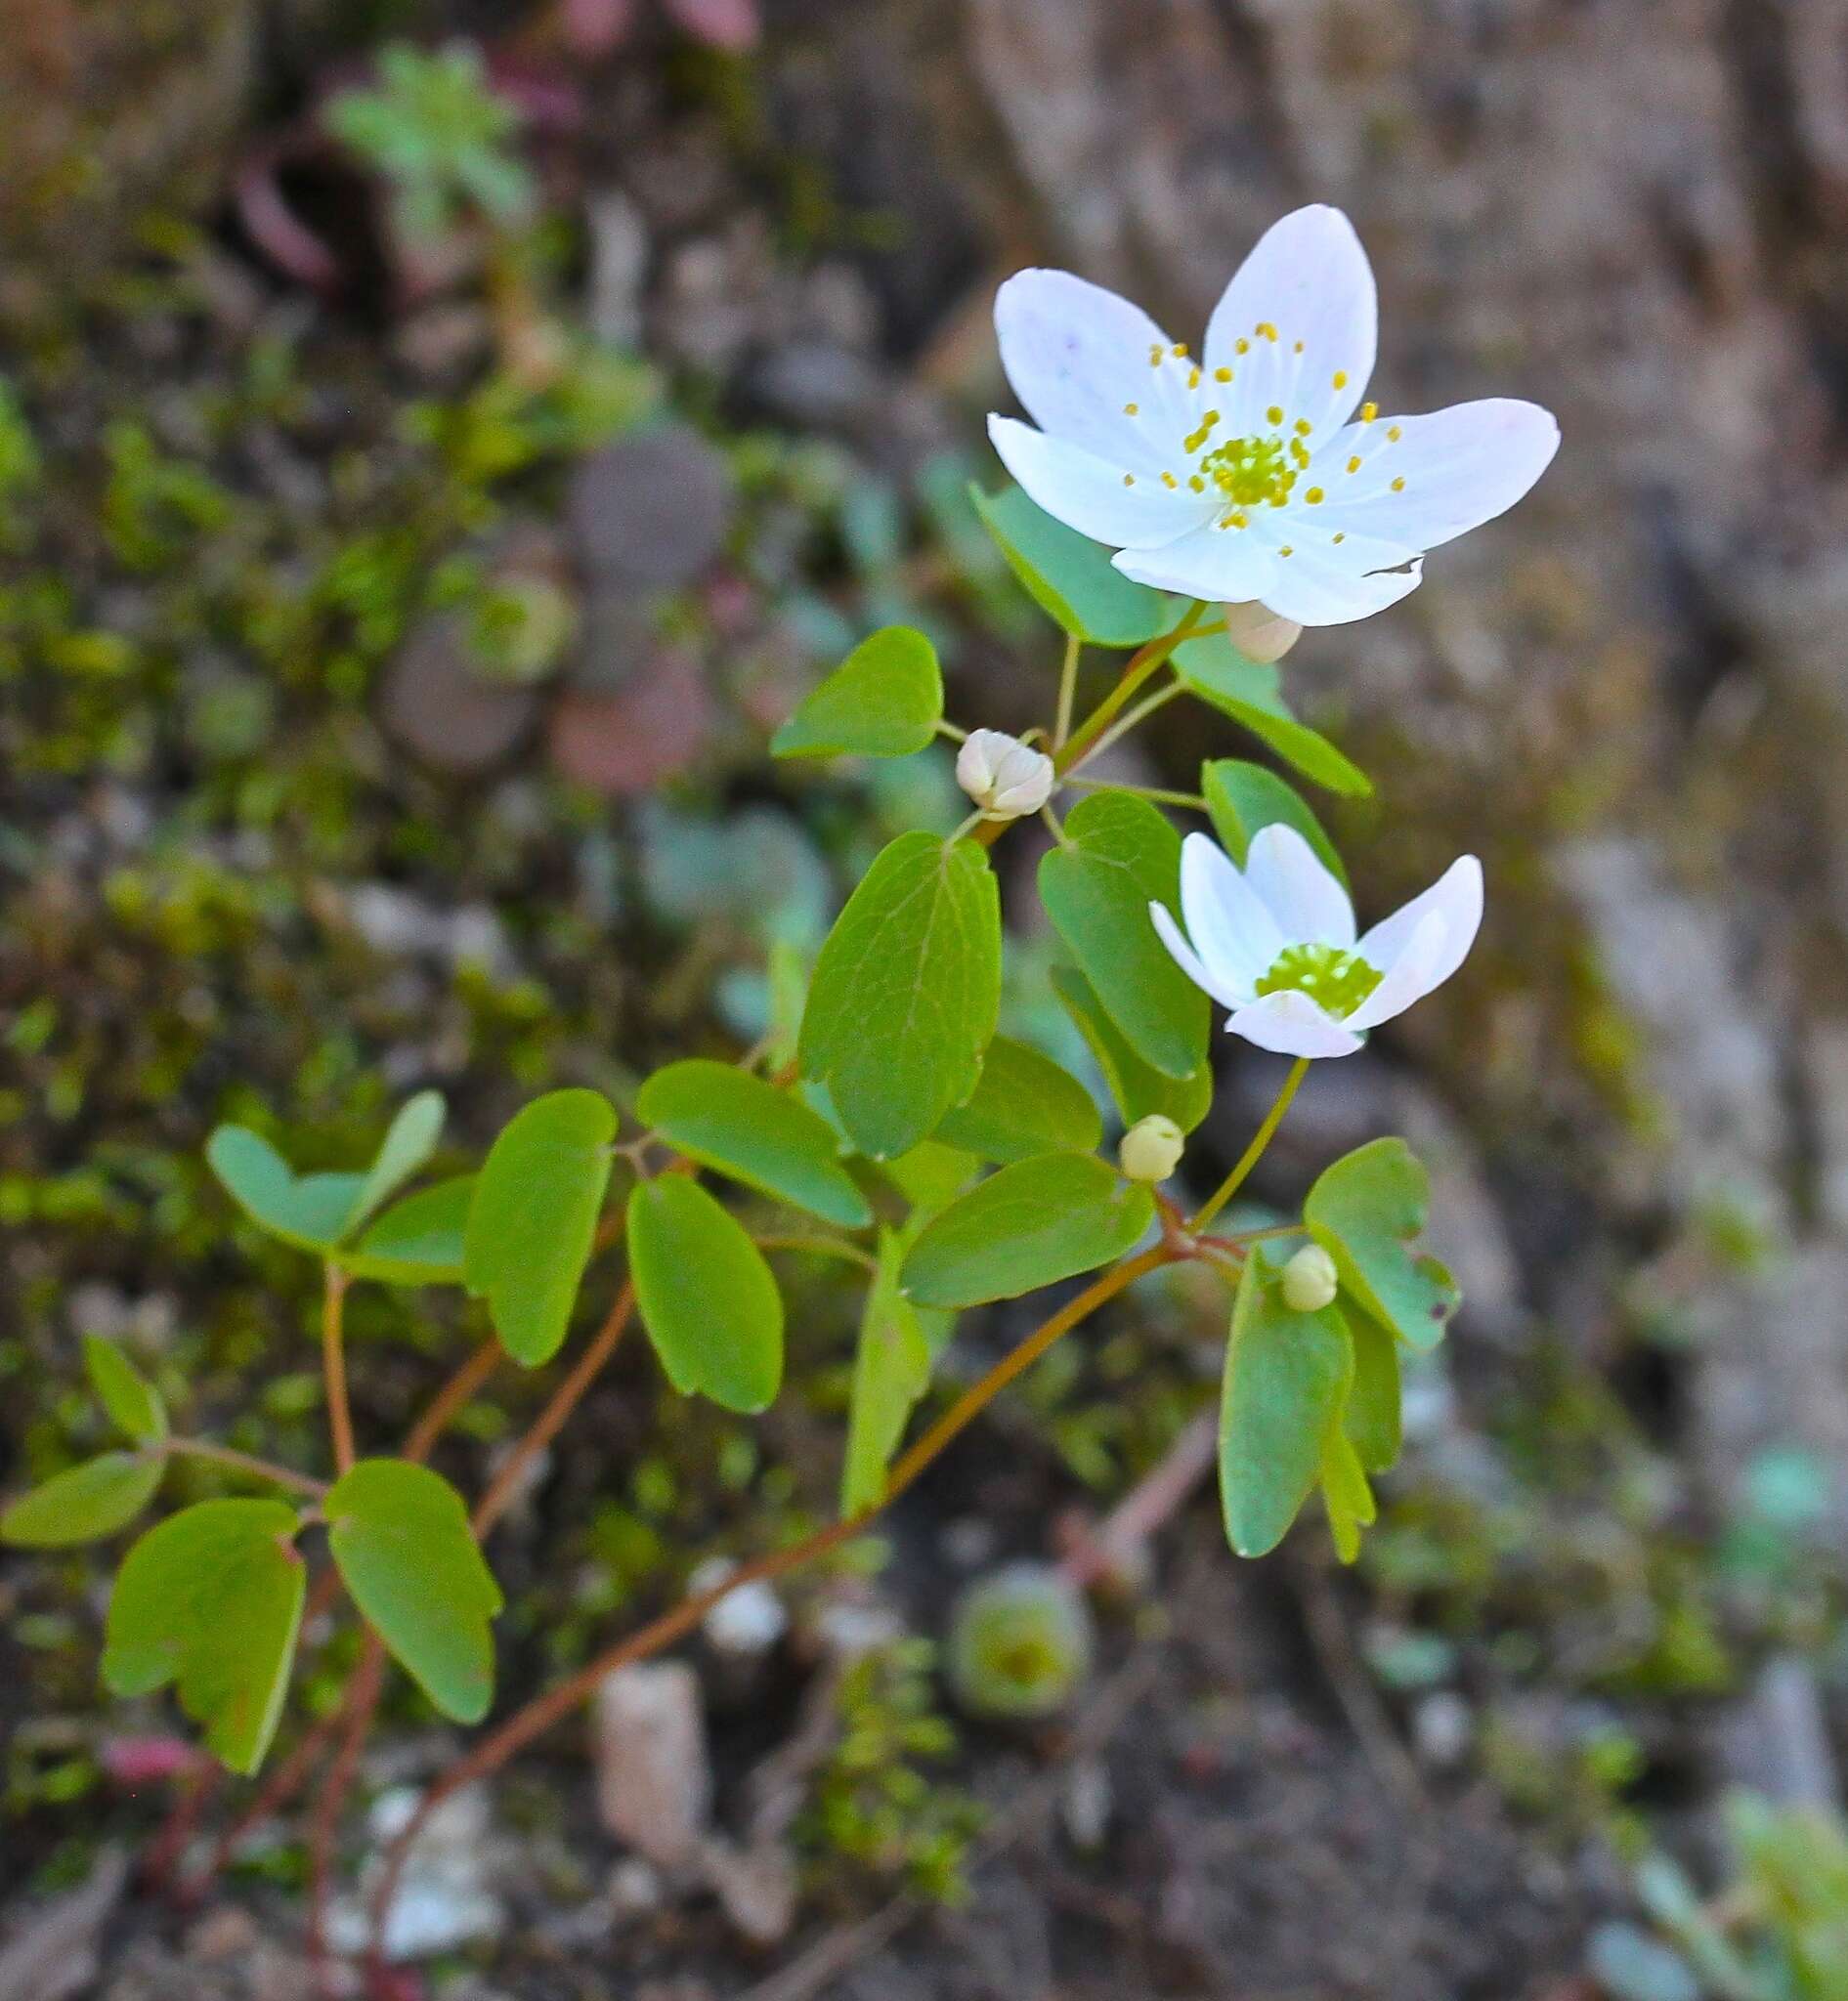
<point>1129,479</point>
<point>1193,378</point>
<point>1274,414</point>
<point>1131,410</point>
<point>1168,481</point>
<point>1154,357</point>
<point>1342,536</point>
<point>1299,347</point>
<point>1395,434</point>
<point>1341,378</point>
<point>1264,327</point>
<point>1303,427</point>
<point>1399,485</point>
<point>1353,465</point>
<point>1222,374</point>
<point>1181,350</point>
<point>1197,483</point>
<point>1314,496</point>
<point>1242,346</point>
<point>1368,411</point>
<point>1241,521</point>
<point>1286,550</point>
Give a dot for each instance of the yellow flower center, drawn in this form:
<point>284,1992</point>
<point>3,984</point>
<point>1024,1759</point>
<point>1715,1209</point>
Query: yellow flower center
<point>1251,472</point>
<point>1337,981</point>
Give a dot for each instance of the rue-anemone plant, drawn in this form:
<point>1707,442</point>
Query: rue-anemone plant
<point>882,1121</point>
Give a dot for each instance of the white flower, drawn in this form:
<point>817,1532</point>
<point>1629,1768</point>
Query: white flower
<point>1275,943</point>
<point>1005,777</point>
<point>1235,475</point>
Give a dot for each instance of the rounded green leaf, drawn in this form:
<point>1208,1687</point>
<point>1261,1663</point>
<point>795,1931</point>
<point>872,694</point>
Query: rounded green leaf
<point>532,1219</point>
<point>1214,669</point>
<point>886,700</point>
<point>1119,855</point>
<point>421,1240</point>
<point>906,992</point>
<point>1366,1211</point>
<point>402,1542</point>
<point>1373,1417</point>
<point>212,1599</point>
<point>1242,798</point>
<point>1286,1378</point>
<point>1029,1225</point>
<point>407,1146</point>
<point>738,1124</point>
<point>1069,576</point>
<point>1138,1090</point>
<point>83,1504</point>
<point>706,1298</point>
<point>1347,1495</point>
<point>134,1404</point>
<point>312,1212</point>
<point>1023,1104</point>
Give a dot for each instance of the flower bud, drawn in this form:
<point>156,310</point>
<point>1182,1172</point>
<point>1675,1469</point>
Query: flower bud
<point>1258,634</point>
<point>1310,1281</point>
<point>1152,1148</point>
<point>1005,777</point>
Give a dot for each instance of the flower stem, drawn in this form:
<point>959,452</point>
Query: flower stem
<point>1143,663</point>
<point>1067,690</point>
<point>243,1463</point>
<point>1158,793</point>
<point>1254,1153</point>
<point>1140,713</point>
<point>334,1366</point>
<point>556,1703</point>
<point>551,1421</point>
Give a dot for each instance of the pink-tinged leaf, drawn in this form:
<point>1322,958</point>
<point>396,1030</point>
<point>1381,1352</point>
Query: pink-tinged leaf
<point>724,23</point>
<point>593,27</point>
<point>147,1760</point>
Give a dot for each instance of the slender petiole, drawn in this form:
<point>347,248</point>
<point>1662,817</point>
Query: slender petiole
<point>239,1462</point>
<point>1254,1153</point>
<point>1067,690</point>
<point>820,1246</point>
<point>334,1367</point>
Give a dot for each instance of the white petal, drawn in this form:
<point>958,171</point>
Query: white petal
<point>1232,929</point>
<point>1188,960</point>
<point>1086,494</point>
<point>1411,976</point>
<point>1078,356</point>
<point>1456,897</point>
<point>1309,905</point>
<point>1221,565</point>
<point>1309,278</point>
<point>1461,467</point>
<point>1291,1024</point>
<point>1325,583</point>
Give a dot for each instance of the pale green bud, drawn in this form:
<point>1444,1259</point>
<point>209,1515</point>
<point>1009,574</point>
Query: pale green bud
<point>1310,1281</point>
<point>1258,634</point>
<point>1152,1148</point>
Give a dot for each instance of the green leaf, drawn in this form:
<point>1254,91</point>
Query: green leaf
<point>906,992</point>
<point>133,1403</point>
<point>1365,1211</point>
<point>886,700</point>
<point>533,1218</point>
<point>1346,1495</point>
<point>312,1212</point>
<point>420,1241</point>
<point>738,1124</point>
<point>1373,1419</point>
<point>1023,1104</point>
<point>1243,797</point>
<point>1216,670</point>
<point>930,1177</point>
<point>708,1298</point>
<point>212,1599</point>
<point>1136,1088</point>
<point>892,1370</point>
<point>1286,1377</point>
<point>1120,855</point>
<point>401,1541</point>
<point>407,1146</point>
<point>1071,577</point>
<point>83,1504</point>
<point>1027,1226</point>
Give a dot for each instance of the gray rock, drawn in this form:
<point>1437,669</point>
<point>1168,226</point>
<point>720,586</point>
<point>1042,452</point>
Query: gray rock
<point>649,512</point>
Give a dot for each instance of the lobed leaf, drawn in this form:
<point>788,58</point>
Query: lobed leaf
<point>1029,1225</point>
<point>83,1504</point>
<point>134,1405</point>
<point>1373,1417</point>
<point>886,700</point>
<point>212,1599</point>
<point>1216,672</point>
<point>906,992</point>
<point>1069,576</point>
<point>728,1120</point>
<point>1242,798</point>
<point>533,1218</point>
<point>1119,855</point>
<point>1137,1088</point>
<point>312,1212</point>
<point>706,1298</point>
<point>1287,1376</point>
<point>406,1148</point>
<point>1366,1211</point>
<point>400,1540</point>
<point>1023,1104</point>
<point>421,1240</point>
<point>898,1346</point>
<point>1346,1495</point>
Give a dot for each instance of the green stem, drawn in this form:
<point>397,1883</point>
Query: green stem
<point>239,1462</point>
<point>1144,664</point>
<point>822,1246</point>
<point>1139,714</point>
<point>1254,1153</point>
<point>1158,793</point>
<point>1067,690</point>
<point>334,1367</point>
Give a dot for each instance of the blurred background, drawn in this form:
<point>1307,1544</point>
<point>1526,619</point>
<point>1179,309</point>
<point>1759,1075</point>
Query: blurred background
<point>437,440</point>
